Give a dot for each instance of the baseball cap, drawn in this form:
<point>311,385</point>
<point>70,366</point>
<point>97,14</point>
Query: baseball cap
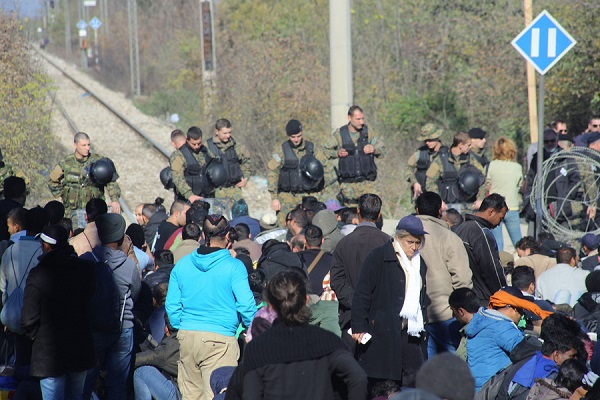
<point>590,241</point>
<point>412,225</point>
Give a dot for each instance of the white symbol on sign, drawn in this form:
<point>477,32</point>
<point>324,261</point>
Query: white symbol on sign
<point>81,24</point>
<point>95,23</point>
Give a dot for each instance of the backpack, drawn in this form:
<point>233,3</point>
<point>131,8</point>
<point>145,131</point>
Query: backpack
<point>11,310</point>
<point>105,308</point>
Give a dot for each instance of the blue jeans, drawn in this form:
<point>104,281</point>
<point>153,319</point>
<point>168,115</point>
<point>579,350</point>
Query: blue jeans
<point>443,336</point>
<point>68,387</point>
<point>114,355</point>
<point>149,383</point>
<point>513,226</point>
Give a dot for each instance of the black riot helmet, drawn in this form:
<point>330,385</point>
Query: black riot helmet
<point>312,168</point>
<point>470,180</point>
<point>103,172</point>
<point>166,178</point>
<point>215,173</point>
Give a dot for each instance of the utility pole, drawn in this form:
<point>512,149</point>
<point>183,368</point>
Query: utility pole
<point>134,49</point>
<point>340,61</point>
<point>533,118</point>
<point>209,57</point>
<point>67,29</point>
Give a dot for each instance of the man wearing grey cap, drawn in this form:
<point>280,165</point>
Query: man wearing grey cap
<point>477,153</point>
<point>114,350</point>
<point>390,305</point>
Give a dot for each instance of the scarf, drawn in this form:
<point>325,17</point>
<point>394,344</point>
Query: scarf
<point>411,309</point>
<point>503,299</point>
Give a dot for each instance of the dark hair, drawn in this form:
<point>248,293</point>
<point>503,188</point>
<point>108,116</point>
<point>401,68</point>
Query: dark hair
<point>348,217</point>
<point>168,324</point>
<point>429,203</point>
<point>565,254</point>
<point>558,322</point>
<point>522,277</point>
<point>14,187</point>
<point>242,250</point>
<point>369,206</point>
<point>560,341</point>
<point>177,133</point>
<point>160,293</point>
<point>148,210</point>
<point>95,207</point>
<point>222,123</point>
<point>454,216</point>
<point>136,234</point>
<point>313,236</point>
<point>464,298</point>
<point>528,242</point>
<point>215,225</point>
<point>163,257</point>
<point>354,108</point>
<point>570,374</point>
<point>242,231</point>
<point>555,123</point>
<point>384,389</point>
<point>257,281</point>
<point>545,236</point>
<point>300,218</point>
<point>191,231</point>
<point>36,220</point>
<point>178,205</point>
<point>286,292</point>
<point>66,223</point>
<point>55,210</point>
<point>194,133</point>
<point>18,216</point>
<point>493,201</point>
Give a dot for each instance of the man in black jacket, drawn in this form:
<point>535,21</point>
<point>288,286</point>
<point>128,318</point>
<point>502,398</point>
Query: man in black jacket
<point>58,294</point>
<point>484,259</point>
<point>349,255</point>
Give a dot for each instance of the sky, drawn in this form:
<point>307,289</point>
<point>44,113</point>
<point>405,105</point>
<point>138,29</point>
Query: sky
<point>26,8</point>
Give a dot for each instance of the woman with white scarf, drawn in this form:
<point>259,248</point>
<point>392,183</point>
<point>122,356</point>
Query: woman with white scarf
<point>389,307</point>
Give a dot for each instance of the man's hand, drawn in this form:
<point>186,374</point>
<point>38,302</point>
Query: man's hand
<point>242,183</point>
<point>418,190</point>
<point>358,336</point>
<point>194,198</point>
<point>342,153</point>
<point>591,212</point>
<point>476,205</point>
<point>275,205</point>
<point>115,207</point>
<point>369,149</point>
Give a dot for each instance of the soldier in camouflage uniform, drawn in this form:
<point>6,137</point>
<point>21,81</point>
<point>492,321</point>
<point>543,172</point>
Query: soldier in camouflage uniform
<point>187,164</point>
<point>356,150</point>
<point>424,164</point>
<point>282,170</point>
<point>477,155</point>
<point>6,170</point>
<point>71,181</point>
<point>235,158</point>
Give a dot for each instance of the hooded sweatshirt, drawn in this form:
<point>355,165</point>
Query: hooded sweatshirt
<point>209,291</point>
<point>126,274</point>
<point>491,336</point>
<point>327,221</point>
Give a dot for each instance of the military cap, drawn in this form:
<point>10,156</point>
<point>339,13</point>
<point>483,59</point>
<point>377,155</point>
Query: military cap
<point>477,133</point>
<point>430,132</point>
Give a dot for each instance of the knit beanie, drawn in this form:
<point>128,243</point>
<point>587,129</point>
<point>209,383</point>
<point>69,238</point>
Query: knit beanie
<point>111,227</point>
<point>326,220</point>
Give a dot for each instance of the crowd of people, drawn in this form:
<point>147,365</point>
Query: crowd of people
<point>312,300</point>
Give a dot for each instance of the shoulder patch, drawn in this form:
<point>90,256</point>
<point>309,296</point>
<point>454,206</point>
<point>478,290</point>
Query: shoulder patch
<point>272,164</point>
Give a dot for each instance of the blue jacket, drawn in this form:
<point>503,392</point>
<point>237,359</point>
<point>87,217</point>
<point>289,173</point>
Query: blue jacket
<point>491,336</point>
<point>207,290</point>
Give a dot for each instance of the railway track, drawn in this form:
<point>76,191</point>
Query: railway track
<point>138,155</point>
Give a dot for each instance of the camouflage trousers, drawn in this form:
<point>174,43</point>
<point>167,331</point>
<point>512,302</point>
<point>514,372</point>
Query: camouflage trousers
<point>234,193</point>
<point>289,201</point>
<point>351,191</point>
<point>77,218</point>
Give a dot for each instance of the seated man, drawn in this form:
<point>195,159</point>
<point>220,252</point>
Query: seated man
<point>523,278</point>
<point>493,333</point>
<point>565,282</point>
<point>155,367</point>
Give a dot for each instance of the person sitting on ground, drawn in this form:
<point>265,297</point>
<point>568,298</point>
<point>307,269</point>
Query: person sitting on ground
<point>492,333</point>
<point>15,195</point>
<point>136,233</point>
<point>529,252</point>
<point>150,216</point>
<point>243,238</point>
<point>565,282</point>
<point>568,381</point>
<point>298,243</point>
<point>589,246</point>
<point>464,304</point>
<point>523,278</point>
<point>446,376</point>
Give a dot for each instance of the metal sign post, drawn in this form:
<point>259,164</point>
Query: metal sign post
<point>95,24</point>
<point>543,43</point>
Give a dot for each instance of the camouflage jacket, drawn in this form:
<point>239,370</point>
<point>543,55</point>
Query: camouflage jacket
<point>478,159</point>
<point>242,153</point>
<point>6,170</point>
<point>178,167</point>
<point>335,143</point>
<point>276,162</point>
<point>70,180</point>
<point>435,171</point>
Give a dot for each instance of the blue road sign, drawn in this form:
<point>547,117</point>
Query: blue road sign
<point>95,23</point>
<point>81,24</point>
<point>543,42</point>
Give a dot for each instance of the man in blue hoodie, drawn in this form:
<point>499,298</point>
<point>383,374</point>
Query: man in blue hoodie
<point>208,293</point>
